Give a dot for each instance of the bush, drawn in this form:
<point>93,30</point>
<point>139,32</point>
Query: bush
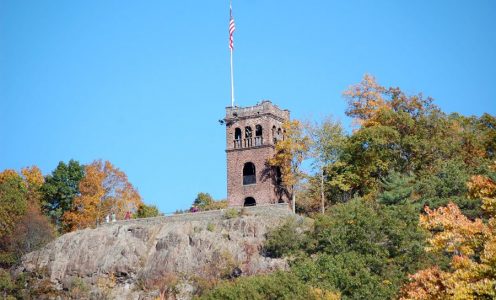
<point>351,273</point>
<point>147,211</point>
<point>231,213</point>
<point>6,283</point>
<point>279,285</point>
<point>285,239</point>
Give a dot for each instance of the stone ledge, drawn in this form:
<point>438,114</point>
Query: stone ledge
<point>268,210</point>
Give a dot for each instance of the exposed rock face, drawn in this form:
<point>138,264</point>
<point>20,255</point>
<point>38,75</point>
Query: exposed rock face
<point>133,259</point>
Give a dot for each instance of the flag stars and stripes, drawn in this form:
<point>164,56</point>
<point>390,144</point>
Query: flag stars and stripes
<point>232,27</point>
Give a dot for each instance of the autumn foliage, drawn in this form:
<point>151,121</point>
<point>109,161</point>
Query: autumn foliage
<point>104,190</point>
<point>472,244</point>
<point>290,152</point>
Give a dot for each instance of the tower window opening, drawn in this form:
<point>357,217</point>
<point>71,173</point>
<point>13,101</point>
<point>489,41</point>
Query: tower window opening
<point>274,137</point>
<point>279,134</point>
<point>237,138</point>
<point>249,174</point>
<point>248,136</point>
<point>258,135</point>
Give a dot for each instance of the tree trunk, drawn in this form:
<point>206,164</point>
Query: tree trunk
<point>293,200</point>
<point>322,191</point>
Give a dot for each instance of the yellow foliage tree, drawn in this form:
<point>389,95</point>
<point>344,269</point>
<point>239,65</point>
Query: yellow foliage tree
<point>289,154</point>
<point>33,180</point>
<point>472,244</point>
<point>103,190</point>
<point>365,99</point>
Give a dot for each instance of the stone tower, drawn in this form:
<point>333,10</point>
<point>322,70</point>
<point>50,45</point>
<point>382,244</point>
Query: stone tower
<point>251,133</point>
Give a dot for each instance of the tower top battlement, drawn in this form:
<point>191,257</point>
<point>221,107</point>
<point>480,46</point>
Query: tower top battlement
<point>263,108</point>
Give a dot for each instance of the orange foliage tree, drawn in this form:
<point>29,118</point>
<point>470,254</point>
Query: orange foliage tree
<point>472,244</point>
<point>104,190</point>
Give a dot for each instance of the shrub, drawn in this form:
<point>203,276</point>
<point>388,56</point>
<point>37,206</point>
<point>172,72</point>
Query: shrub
<point>231,213</point>
<point>285,239</point>
<point>278,285</point>
<point>147,211</point>
<point>6,283</point>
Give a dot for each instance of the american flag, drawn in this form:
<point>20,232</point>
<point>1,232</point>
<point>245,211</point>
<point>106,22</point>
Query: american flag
<point>231,29</point>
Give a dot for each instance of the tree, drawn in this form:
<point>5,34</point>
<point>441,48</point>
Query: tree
<point>470,243</point>
<point>327,139</point>
<point>32,232</point>
<point>103,190</point>
<point>147,211</point>
<point>27,229</point>
<point>13,201</point>
<point>397,189</point>
<point>203,200</point>
<point>361,249</point>
<point>289,154</point>
<point>34,229</point>
<point>60,188</point>
<point>407,134</point>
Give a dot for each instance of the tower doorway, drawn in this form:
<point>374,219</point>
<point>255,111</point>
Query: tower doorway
<point>250,201</point>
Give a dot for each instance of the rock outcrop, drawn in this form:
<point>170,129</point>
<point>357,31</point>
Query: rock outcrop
<point>139,258</point>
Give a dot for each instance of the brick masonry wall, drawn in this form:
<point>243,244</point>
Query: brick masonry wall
<point>263,191</point>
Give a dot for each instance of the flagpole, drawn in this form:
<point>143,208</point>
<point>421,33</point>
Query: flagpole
<point>232,80</point>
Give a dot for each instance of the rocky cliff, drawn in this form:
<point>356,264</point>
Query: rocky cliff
<point>139,258</point>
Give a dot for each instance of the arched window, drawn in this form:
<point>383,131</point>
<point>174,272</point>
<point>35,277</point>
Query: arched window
<point>274,137</point>
<point>258,130</point>
<point>248,136</point>
<point>237,133</point>
<point>258,135</point>
<point>249,174</point>
<point>279,134</point>
<point>248,132</point>
<point>250,201</point>
<point>237,138</point>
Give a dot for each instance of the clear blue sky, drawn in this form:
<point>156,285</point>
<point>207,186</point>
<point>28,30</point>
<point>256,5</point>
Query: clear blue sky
<point>143,83</point>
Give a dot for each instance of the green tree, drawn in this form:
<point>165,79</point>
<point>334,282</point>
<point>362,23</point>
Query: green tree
<point>327,140</point>
<point>202,201</point>
<point>362,249</point>
<point>60,189</point>
<point>27,228</point>
<point>397,189</point>
<point>147,211</point>
<point>13,201</point>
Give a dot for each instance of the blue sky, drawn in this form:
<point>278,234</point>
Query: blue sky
<point>144,83</point>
